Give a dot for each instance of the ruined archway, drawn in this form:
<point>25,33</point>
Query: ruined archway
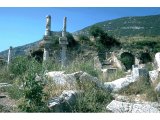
<point>127,59</point>
<point>145,58</point>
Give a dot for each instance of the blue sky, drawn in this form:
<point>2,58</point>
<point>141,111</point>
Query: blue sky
<point>20,26</point>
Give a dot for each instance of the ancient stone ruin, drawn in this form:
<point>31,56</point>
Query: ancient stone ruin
<point>47,38</point>
<point>63,42</point>
<point>9,55</point>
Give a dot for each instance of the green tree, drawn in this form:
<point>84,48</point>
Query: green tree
<point>19,65</point>
<point>33,99</point>
<point>83,39</point>
<point>71,41</point>
<point>102,38</point>
<point>96,31</point>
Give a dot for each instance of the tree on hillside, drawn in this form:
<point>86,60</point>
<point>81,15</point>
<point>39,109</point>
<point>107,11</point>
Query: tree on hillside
<point>96,31</point>
<point>102,38</point>
<point>71,41</point>
<point>83,39</point>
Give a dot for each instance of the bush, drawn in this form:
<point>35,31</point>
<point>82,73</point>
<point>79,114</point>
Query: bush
<point>19,65</point>
<point>83,39</point>
<point>34,97</point>
<point>80,64</point>
<point>71,41</point>
<point>96,31</point>
<point>93,99</point>
<point>14,92</point>
<point>102,38</point>
<point>5,75</point>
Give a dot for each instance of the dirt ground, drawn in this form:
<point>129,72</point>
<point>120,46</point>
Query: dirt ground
<point>7,104</point>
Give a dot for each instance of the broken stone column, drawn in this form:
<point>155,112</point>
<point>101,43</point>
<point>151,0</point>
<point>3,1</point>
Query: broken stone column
<point>46,47</point>
<point>47,38</point>
<point>9,55</point>
<point>48,25</point>
<point>64,102</point>
<point>64,27</point>
<point>63,42</point>
<point>138,73</point>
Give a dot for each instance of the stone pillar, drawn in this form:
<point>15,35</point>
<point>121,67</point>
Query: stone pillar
<point>48,26</point>
<point>45,54</point>
<point>9,55</point>
<point>64,27</point>
<point>157,61</point>
<point>47,43</point>
<point>63,42</point>
<point>47,38</point>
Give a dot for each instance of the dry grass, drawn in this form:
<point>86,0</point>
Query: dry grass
<point>141,87</point>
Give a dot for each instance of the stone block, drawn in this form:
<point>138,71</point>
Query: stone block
<point>64,102</point>
<point>97,63</point>
<point>118,84</point>
<point>138,73</point>
<point>127,107</point>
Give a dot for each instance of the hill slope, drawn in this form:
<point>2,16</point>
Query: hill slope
<point>22,50</point>
<point>129,26</point>
<point>126,26</point>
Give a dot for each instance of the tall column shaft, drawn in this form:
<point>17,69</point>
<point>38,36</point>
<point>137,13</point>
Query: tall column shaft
<point>9,55</point>
<point>64,27</point>
<point>63,42</point>
<point>48,26</point>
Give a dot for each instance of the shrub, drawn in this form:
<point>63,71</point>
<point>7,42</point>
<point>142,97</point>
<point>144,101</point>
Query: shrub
<point>71,41</point>
<point>83,39</point>
<point>14,92</point>
<point>33,95</point>
<point>5,75</point>
<point>80,64</point>
<point>103,39</point>
<point>95,31</point>
<point>93,99</point>
<point>19,65</point>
